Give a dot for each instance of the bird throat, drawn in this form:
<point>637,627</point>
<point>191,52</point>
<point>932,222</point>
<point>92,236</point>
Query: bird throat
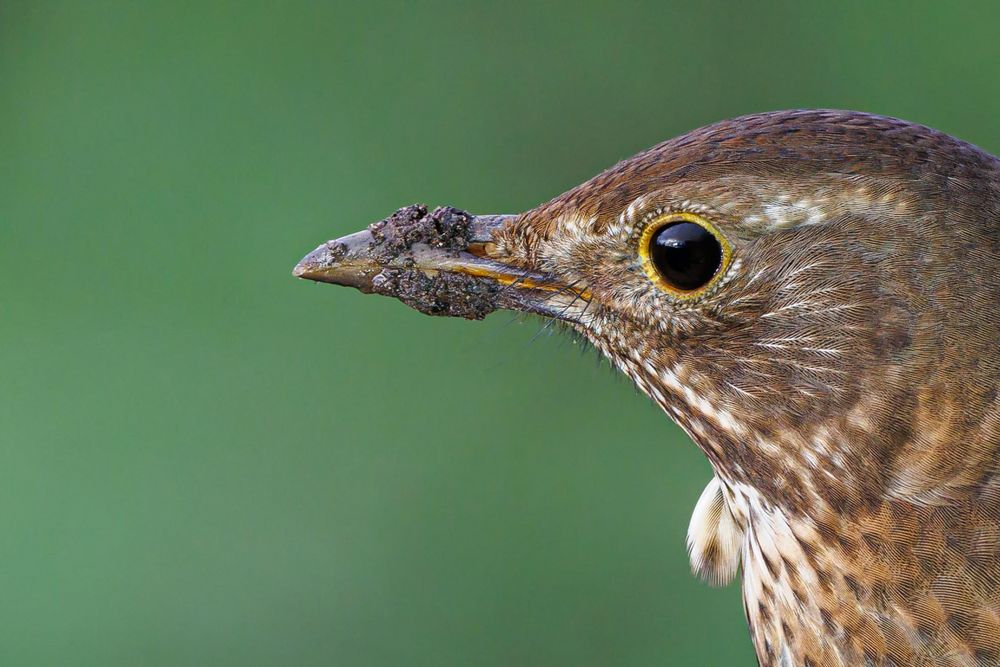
<point>831,575</point>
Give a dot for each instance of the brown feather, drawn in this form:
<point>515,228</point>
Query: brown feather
<point>843,382</point>
<point>840,373</point>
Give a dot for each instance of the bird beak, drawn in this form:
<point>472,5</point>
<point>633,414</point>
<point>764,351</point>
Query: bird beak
<point>437,263</point>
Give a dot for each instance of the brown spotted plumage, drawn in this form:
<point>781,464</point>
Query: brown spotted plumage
<point>840,370</point>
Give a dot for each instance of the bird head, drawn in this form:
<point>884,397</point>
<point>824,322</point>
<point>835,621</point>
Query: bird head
<point>783,285</point>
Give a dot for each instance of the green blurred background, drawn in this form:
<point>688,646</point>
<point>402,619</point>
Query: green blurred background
<point>205,461</point>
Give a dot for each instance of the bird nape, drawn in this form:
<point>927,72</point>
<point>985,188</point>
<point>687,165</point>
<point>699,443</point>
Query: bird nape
<point>813,297</point>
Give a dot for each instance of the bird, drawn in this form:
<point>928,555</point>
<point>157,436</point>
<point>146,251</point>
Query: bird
<point>813,296</point>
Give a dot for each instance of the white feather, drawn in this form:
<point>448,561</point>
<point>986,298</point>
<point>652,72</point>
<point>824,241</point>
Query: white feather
<point>715,539</point>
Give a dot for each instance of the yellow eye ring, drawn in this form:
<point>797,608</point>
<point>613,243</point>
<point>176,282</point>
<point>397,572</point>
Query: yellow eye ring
<point>684,254</point>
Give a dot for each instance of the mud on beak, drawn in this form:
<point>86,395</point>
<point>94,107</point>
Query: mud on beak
<point>439,264</point>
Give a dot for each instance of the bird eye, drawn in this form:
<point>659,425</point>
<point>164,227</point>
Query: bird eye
<point>683,254</point>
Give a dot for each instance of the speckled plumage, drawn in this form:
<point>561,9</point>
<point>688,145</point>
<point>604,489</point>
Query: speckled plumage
<point>841,377</point>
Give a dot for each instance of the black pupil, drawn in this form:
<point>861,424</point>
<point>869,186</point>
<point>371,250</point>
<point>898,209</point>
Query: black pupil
<point>686,255</point>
